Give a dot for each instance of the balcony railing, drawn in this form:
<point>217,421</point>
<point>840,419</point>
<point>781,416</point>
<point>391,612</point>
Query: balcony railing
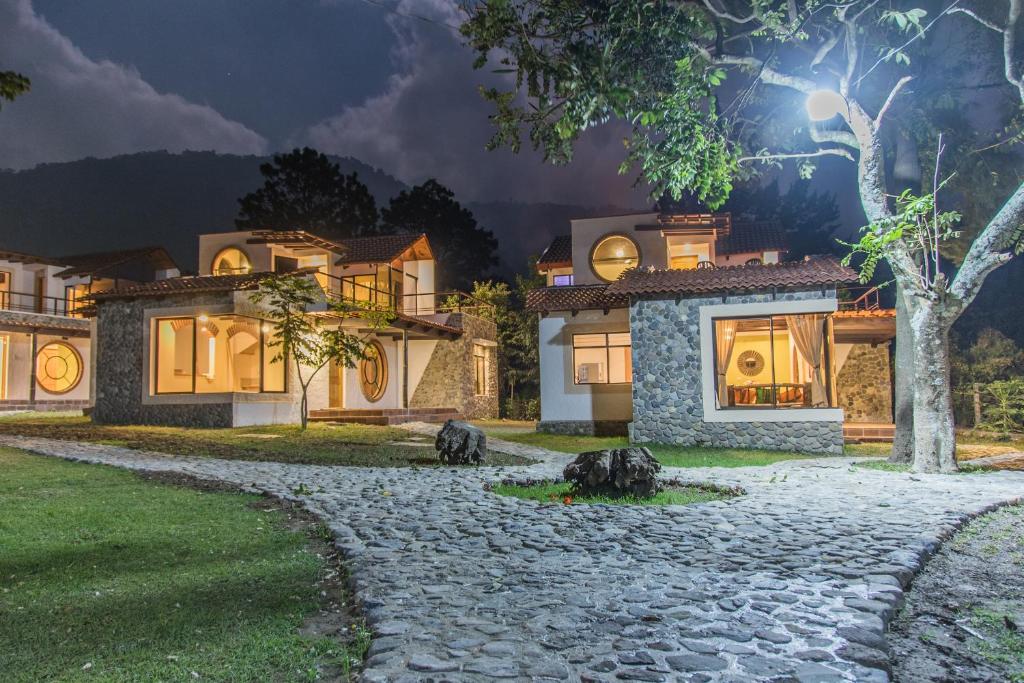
<point>37,303</point>
<point>860,299</point>
<point>413,303</point>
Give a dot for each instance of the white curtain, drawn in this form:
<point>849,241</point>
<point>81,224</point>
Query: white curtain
<point>808,333</point>
<point>725,340</point>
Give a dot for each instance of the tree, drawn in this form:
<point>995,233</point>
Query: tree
<point>465,252</point>
<point>304,190</point>
<point>715,91</point>
<point>13,84</point>
<point>304,339</point>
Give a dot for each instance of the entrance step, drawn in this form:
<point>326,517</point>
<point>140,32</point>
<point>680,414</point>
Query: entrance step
<point>866,432</point>
<point>384,416</point>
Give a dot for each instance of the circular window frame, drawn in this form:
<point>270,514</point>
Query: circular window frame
<point>601,240</point>
<point>219,254</point>
<point>78,359</point>
<point>374,391</point>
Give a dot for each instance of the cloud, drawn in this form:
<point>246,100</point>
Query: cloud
<point>81,107</point>
<point>430,121</point>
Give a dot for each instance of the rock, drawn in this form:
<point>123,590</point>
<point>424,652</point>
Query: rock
<point>460,443</point>
<point>621,470</point>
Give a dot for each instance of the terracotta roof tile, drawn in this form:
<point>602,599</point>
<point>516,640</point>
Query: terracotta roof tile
<point>376,249</point>
<point>574,298</point>
<point>98,262</point>
<point>558,254</point>
<point>185,285</point>
<point>811,272</point>
<point>752,237</point>
<point>40,321</point>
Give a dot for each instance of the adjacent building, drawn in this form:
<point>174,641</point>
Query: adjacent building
<point>45,327</point>
<point>196,351</point>
<point>692,329</point>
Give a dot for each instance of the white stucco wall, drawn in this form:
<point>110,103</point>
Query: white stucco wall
<point>561,399</point>
<point>20,366</point>
<point>587,232</point>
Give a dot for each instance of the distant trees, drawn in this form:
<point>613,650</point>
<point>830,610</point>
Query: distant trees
<point>13,84</point>
<point>465,252</point>
<point>304,190</point>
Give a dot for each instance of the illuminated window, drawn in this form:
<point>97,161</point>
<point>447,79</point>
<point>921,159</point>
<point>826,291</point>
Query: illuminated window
<point>373,372</point>
<point>5,289</point>
<point>613,255</point>
<point>216,354</point>
<point>602,358</point>
<point>562,280</point>
<point>5,345</point>
<point>480,383</point>
<point>58,368</point>
<point>778,361</point>
<point>231,261</point>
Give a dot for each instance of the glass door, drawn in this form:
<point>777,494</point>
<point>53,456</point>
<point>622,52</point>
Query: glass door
<point>5,345</point>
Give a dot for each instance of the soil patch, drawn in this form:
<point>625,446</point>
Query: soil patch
<point>963,619</point>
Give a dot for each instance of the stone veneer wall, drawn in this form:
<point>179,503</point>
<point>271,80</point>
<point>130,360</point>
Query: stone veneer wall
<point>447,380</point>
<point>584,427</point>
<point>864,384</point>
<point>667,395</point>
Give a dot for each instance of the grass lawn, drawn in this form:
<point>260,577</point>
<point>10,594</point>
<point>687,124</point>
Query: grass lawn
<point>670,456</point>
<point>106,576</point>
<point>561,493</point>
<point>321,444</point>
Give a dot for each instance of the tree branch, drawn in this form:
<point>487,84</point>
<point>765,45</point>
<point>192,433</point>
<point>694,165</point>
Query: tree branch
<point>971,13</point>
<point>765,73</point>
<point>722,14</point>
<point>799,155</point>
<point>891,98</point>
<point>839,137</point>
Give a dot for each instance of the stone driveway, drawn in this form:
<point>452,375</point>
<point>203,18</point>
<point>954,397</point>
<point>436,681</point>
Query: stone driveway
<point>793,581</point>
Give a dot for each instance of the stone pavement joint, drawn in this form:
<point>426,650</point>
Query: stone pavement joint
<point>797,579</point>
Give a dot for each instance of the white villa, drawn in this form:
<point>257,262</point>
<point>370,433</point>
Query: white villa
<point>46,360</point>
<point>196,351</point>
<point>693,329</point>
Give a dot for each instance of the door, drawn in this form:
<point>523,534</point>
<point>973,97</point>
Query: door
<point>336,385</point>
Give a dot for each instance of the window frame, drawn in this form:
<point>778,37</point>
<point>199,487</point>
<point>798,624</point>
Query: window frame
<point>607,357</point>
<point>237,271</point>
<point>155,356</point>
<point>481,376</point>
<point>556,283</point>
<point>604,238</point>
<point>78,359</point>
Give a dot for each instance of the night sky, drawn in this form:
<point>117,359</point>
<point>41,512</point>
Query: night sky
<point>349,77</point>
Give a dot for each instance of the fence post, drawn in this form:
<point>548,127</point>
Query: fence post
<point>977,404</point>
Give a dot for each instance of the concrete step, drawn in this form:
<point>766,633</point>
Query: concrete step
<point>387,416</point>
<point>854,432</point>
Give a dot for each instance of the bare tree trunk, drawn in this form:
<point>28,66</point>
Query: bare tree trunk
<point>303,415</point>
<point>903,409</point>
<point>934,429</point>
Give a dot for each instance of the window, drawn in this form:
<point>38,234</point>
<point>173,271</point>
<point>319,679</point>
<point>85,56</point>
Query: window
<point>373,372</point>
<point>5,345</point>
<point>686,255</point>
<point>5,289</point>
<point>480,383</point>
<point>777,361</point>
<point>73,299</point>
<point>613,255</point>
<point>216,354</point>
<point>231,261</point>
<point>562,280</point>
<point>602,358</point>
<point>58,367</point>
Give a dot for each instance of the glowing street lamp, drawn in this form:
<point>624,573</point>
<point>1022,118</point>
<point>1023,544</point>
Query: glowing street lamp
<point>823,105</point>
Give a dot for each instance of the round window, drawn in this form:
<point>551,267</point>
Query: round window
<point>58,368</point>
<point>231,261</point>
<point>373,372</point>
<point>613,255</point>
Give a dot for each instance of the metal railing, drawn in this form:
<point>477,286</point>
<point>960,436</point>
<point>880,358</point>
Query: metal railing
<point>38,303</point>
<point>414,303</point>
<point>860,299</point>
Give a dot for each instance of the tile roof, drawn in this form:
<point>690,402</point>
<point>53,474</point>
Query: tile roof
<point>22,257</point>
<point>574,298</point>
<point>376,249</point>
<point>752,237</point>
<point>185,285</point>
<point>558,254</point>
<point>40,321</point>
<point>98,262</point>
<point>813,271</point>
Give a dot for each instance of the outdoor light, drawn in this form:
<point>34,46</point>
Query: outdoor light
<point>822,105</point>
<point>203,318</point>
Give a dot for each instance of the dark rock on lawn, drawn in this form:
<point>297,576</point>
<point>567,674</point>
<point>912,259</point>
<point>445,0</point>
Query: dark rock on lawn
<point>460,443</point>
<point>622,470</point>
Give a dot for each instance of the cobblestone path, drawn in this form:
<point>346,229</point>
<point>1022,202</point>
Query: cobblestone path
<point>794,580</point>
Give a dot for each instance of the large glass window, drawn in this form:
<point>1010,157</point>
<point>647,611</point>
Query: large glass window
<point>58,367</point>
<point>613,255</point>
<point>480,383</point>
<point>216,354</point>
<point>5,345</point>
<point>231,261</point>
<point>779,361</point>
<point>602,358</point>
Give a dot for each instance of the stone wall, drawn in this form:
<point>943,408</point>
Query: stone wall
<point>864,384</point>
<point>447,381</point>
<point>584,427</point>
<point>667,385</point>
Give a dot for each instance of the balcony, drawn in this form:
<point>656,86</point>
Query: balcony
<point>25,302</point>
<point>419,304</point>
<point>860,299</point>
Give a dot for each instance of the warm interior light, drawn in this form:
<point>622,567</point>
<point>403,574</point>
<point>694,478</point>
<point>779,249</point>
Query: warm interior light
<point>823,105</point>
<point>203,318</point>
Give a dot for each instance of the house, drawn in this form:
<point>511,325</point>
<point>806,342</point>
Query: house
<point>45,326</point>
<point>692,329</point>
<point>196,351</point>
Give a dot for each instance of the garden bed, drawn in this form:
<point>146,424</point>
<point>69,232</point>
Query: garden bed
<point>555,492</point>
